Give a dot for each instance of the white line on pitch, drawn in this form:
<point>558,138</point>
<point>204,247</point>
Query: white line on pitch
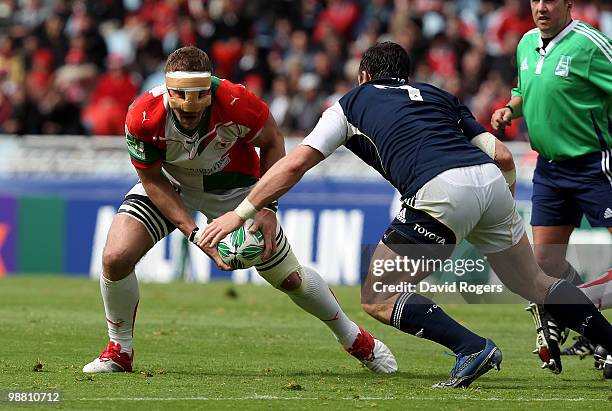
<point>274,398</point>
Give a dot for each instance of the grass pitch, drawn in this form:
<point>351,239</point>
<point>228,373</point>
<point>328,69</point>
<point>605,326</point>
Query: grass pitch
<point>217,346</point>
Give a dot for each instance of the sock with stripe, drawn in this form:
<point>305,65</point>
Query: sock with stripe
<point>572,309</point>
<point>120,304</point>
<point>418,315</point>
<point>315,297</point>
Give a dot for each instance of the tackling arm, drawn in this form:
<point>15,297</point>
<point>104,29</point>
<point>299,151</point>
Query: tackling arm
<point>276,182</point>
<point>329,133</point>
<point>283,175</point>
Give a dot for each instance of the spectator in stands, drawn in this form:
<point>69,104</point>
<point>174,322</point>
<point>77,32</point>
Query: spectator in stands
<point>110,99</point>
<point>465,45</point>
<point>307,105</point>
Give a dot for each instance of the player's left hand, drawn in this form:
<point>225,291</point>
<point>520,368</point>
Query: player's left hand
<point>218,229</point>
<point>214,255</point>
<point>265,221</point>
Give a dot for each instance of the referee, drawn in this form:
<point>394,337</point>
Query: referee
<point>564,92</point>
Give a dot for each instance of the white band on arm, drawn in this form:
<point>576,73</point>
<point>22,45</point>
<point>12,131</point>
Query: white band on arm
<point>510,176</point>
<point>486,142</point>
<point>246,210</point>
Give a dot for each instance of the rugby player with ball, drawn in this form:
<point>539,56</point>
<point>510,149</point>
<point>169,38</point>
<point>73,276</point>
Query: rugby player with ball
<point>192,141</point>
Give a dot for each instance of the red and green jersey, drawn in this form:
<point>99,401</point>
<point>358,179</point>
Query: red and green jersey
<point>567,91</point>
<point>216,156</point>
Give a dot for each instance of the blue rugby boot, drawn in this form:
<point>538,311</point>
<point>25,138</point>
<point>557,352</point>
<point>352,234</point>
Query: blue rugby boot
<point>469,367</point>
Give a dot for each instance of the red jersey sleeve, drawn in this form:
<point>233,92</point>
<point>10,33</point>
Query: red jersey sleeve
<point>144,122</point>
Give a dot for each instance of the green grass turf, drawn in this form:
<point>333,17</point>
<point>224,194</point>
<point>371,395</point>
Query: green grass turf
<point>198,347</point>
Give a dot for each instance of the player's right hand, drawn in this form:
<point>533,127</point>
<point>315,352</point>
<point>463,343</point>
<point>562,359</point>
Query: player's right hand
<point>265,221</point>
<point>501,118</point>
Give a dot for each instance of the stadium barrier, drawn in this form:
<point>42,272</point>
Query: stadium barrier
<point>58,196</point>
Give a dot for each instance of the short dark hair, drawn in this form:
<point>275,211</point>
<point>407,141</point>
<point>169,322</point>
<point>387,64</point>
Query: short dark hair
<point>188,58</point>
<point>384,60</point>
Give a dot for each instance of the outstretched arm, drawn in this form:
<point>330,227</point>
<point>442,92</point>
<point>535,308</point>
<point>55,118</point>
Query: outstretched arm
<point>330,133</point>
<point>273,184</point>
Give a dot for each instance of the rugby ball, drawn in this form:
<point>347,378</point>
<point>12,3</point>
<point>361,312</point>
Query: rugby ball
<point>241,248</point>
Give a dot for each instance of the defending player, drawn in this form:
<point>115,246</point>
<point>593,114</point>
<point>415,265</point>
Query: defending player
<point>193,142</point>
<point>418,138</point>
<point>564,94</point>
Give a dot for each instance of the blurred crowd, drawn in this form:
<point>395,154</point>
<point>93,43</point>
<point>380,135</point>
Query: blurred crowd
<point>74,66</point>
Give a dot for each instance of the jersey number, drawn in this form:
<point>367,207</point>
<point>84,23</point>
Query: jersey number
<point>413,93</point>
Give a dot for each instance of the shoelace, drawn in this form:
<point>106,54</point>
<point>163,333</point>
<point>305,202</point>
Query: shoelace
<point>111,350</point>
<point>458,358</point>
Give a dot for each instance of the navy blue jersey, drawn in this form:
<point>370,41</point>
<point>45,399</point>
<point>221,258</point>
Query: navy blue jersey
<point>410,132</point>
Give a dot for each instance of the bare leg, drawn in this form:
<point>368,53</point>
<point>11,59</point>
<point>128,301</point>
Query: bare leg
<point>549,248</point>
<point>516,267</point>
<point>127,242</point>
<point>413,313</point>
<point>380,305</point>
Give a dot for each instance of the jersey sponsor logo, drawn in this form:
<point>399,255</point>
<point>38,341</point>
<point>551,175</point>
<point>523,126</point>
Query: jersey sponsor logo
<point>608,213</point>
<point>219,165</point>
<point>563,66</point>
<point>136,148</point>
<point>428,234</point>
<point>524,64</point>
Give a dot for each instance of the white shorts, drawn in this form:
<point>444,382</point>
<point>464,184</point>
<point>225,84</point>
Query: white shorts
<point>475,203</point>
<point>138,205</point>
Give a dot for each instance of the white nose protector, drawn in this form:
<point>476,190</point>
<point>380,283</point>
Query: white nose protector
<point>192,83</point>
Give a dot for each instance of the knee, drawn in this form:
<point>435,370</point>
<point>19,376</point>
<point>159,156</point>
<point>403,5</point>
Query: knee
<point>292,282</point>
<point>116,264</point>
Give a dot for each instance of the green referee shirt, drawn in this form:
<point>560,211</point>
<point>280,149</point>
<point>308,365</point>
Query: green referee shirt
<point>566,90</point>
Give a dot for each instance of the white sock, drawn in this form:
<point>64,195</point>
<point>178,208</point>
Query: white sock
<point>599,290</point>
<point>315,297</point>
<point>120,304</point>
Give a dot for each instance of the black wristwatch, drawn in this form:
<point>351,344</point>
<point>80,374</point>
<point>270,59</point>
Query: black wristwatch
<point>192,236</point>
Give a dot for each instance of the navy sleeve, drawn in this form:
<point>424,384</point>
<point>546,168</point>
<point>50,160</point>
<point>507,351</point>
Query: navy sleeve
<point>471,128</point>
